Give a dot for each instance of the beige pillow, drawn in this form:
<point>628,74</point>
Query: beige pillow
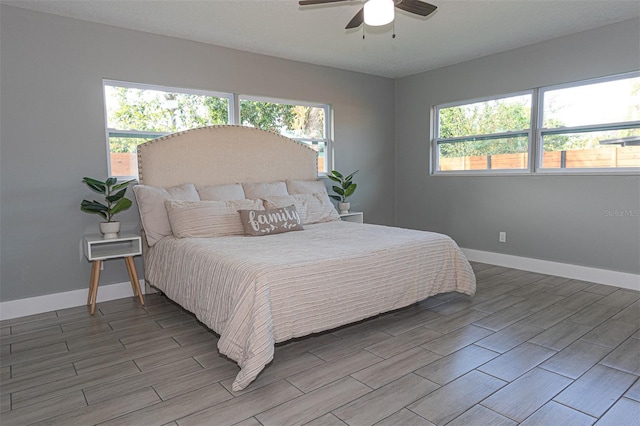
<point>205,219</point>
<point>273,221</point>
<point>253,191</point>
<point>153,214</point>
<point>231,191</point>
<point>306,187</point>
<point>328,212</point>
<point>312,208</point>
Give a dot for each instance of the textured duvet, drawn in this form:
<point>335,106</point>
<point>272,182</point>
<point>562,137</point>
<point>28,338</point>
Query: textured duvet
<point>257,291</point>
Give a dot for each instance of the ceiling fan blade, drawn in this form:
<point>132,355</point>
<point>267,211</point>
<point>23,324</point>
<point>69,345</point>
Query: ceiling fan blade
<point>356,21</point>
<point>310,2</point>
<point>417,7</point>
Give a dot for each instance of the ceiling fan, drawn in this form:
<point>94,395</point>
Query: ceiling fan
<point>379,12</point>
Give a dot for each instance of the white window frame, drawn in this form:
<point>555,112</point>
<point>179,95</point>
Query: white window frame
<point>541,131</point>
<point>437,141</point>
<point>328,147</point>
<point>536,133</point>
<point>233,113</point>
<point>109,132</point>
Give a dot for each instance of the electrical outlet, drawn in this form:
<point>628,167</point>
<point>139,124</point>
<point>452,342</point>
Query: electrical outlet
<point>502,237</point>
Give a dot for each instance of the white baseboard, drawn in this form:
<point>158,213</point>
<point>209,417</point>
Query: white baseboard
<point>576,272</point>
<point>68,299</point>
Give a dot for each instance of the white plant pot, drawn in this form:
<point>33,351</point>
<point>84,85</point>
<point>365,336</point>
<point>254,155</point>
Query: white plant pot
<point>344,207</point>
<point>110,229</point>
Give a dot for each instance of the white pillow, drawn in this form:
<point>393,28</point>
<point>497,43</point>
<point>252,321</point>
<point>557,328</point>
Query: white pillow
<point>253,191</point>
<point>205,219</point>
<point>306,187</point>
<point>300,201</point>
<point>312,208</point>
<point>152,211</point>
<point>232,191</point>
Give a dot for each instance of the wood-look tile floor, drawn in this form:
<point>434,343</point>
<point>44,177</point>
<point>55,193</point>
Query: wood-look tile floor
<point>528,349</point>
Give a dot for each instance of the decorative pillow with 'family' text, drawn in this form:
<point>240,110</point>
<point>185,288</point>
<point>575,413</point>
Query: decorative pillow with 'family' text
<point>271,221</point>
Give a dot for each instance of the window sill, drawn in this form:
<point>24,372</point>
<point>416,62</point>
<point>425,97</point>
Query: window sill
<point>542,172</point>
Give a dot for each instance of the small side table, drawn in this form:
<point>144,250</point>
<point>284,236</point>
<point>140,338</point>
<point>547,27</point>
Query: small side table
<point>96,249</point>
<point>356,217</point>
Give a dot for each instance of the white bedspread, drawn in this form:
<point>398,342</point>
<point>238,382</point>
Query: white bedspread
<point>256,291</point>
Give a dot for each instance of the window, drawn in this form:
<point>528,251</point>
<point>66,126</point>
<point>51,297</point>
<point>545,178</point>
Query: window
<point>491,134</point>
<point>305,123</point>
<point>590,126</point>
<point>138,113</point>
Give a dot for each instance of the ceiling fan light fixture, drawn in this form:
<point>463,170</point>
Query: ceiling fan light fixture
<point>379,12</point>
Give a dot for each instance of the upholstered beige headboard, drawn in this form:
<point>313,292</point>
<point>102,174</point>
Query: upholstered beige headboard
<point>224,154</point>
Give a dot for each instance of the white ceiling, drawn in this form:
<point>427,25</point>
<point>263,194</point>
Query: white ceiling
<point>459,30</point>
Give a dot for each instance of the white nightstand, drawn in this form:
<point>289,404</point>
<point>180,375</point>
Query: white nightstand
<point>356,217</point>
<point>96,249</point>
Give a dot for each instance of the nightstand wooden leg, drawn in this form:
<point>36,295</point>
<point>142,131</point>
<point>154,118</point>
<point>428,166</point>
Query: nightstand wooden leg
<point>93,272</point>
<point>133,276</point>
<point>93,287</point>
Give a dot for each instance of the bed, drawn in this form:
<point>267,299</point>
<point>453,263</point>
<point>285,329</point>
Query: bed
<point>256,291</point>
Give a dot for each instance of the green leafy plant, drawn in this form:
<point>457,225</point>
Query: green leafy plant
<point>115,201</point>
<point>346,187</point>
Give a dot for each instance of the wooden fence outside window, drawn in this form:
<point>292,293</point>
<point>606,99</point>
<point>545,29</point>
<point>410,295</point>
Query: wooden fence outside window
<point>605,157</point>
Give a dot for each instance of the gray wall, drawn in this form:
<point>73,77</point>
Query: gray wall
<point>52,131</point>
<point>52,134</point>
<point>557,218</point>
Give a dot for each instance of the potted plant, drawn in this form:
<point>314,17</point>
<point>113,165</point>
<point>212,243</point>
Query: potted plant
<point>115,202</point>
<point>343,191</point>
